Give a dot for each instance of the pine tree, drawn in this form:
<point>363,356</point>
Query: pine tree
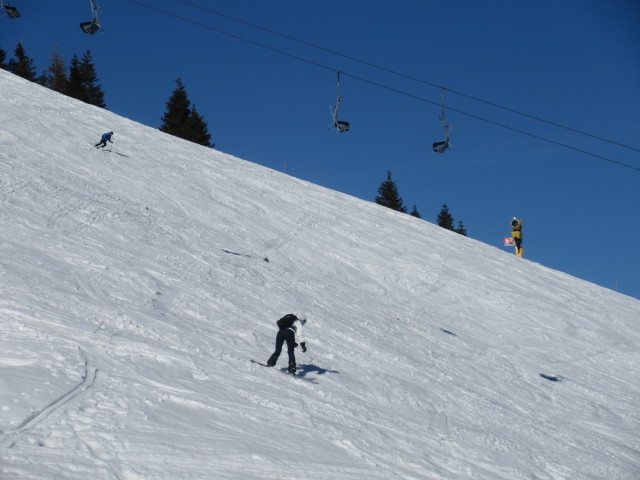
<point>55,76</point>
<point>3,57</point>
<point>198,129</point>
<point>82,83</point>
<point>445,220</point>
<point>176,117</point>
<point>74,87</point>
<point>182,121</point>
<point>22,65</point>
<point>94,93</point>
<point>388,195</point>
<point>415,213</point>
<point>461,230</point>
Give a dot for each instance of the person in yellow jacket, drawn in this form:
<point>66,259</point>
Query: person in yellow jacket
<point>516,234</point>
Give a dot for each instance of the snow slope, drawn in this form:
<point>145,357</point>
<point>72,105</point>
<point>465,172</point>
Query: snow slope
<point>136,285</point>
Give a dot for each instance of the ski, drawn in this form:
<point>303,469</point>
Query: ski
<point>259,363</point>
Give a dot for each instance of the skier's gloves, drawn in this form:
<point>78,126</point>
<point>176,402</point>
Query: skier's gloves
<point>304,346</point>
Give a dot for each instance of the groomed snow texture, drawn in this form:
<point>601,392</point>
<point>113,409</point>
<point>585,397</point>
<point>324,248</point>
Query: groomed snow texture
<point>137,283</point>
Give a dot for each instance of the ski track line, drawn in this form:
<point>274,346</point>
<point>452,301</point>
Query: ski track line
<point>302,224</point>
<point>88,379</point>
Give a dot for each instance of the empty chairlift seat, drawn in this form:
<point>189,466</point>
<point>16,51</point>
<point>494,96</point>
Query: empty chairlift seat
<point>341,126</point>
<point>440,147</point>
<point>89,27</point>
<point>12,12</point>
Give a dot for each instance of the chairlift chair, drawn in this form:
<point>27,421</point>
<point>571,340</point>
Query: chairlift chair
<point>92,26</point>
<point>339,125</point>
<point>89,27</point>
<point>12,12</point>
<point>441,147</point>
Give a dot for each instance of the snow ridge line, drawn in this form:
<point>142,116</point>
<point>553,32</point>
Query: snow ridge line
<point>88,379</point>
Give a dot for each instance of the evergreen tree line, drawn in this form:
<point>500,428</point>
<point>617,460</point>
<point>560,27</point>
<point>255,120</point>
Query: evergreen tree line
<point>80,81</point>
<point>388,196</point>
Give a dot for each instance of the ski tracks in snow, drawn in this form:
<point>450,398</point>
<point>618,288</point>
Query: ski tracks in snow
<point>303,224</point>
<point>88,379</point>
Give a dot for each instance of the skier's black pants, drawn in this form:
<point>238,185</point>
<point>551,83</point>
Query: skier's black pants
<point>101,143</point>
<point>286,335</point>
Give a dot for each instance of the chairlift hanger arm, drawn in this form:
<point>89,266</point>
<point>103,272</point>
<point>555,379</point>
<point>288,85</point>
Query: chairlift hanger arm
<point>93,25</point>
<point>94,10</point>
<point>339,125</point>
<point>441,147</point>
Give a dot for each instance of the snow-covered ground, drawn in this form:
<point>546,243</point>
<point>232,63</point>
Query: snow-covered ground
<point>137,284</point>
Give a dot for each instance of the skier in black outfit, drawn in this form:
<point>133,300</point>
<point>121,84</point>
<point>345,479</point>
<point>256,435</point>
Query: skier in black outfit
<point>290,331</point>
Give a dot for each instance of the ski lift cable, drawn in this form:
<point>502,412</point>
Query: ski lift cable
<point>233,35</point>
<point>410,77</point>
<point>380,85</point>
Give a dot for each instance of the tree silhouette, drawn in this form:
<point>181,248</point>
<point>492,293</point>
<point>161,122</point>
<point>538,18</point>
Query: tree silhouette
<point>184,121</point>
<point>445,220</point>
<point>83,81</point>
<point>22,65</point>
<point>388,195</point>
<point>461,230</point>
<point>55,76</point>
<point>3,57</point>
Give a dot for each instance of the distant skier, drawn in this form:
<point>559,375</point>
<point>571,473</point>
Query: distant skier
<point>103,141</point>
<point>516,234</point>
<point>290,331</point>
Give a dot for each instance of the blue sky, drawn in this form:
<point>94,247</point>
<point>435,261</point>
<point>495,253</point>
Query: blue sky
<point>574,63</point>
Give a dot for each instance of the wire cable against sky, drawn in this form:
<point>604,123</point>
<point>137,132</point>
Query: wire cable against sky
<point>395,72</point>
<point>379,85</point>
